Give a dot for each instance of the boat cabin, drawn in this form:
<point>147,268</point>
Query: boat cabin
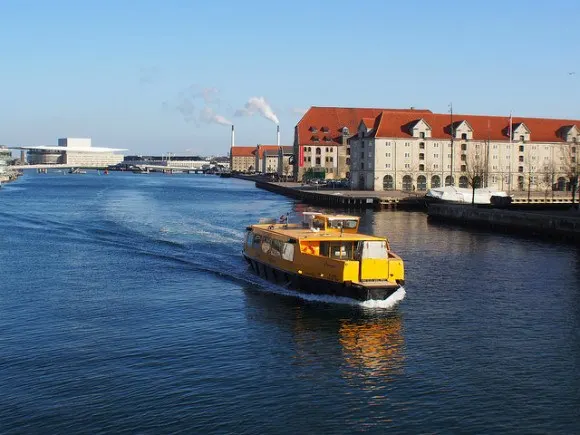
<point>330,223</point>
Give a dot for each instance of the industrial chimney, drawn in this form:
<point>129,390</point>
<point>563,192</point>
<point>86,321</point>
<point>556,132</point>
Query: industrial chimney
<point>278,134</point>
<point>232,136</point>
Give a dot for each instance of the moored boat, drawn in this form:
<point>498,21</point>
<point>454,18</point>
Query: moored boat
<point>324,254</point>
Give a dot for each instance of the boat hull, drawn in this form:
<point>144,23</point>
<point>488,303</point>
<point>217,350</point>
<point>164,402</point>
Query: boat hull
<point>317,286</point>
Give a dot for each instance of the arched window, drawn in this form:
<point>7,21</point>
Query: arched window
<point>521,182</point>
<point>463,181</point>
<point>387,182</point>
<point>449,181</point>
<point>407,182</point>
<point>361,182</point>
<point>435,181</point>
<point>318,151</point>
<point>421,182</point>
<point>561,184</point>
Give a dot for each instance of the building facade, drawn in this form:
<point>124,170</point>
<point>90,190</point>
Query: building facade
<point>321,147</point>
<point>73,151</point>
<point>411,151</point>
<point>243,159</point>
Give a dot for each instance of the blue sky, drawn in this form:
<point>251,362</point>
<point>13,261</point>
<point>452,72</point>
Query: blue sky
<point>133,73</point>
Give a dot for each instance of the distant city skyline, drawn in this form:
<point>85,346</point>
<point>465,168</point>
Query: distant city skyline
<point>157,77</point>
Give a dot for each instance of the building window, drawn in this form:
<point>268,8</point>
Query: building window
<point>464,136</point>
<point>463,181</point>
<point>421,156</point>
<point>436,166</point>
<point>421,182</point>
<point>407,166</point>
<point>422,135</point>
<point>326,149</point>
<point>407,155</point>
<point>388,144</point>
<point>407,144</point>
<point>463,147</point>
<point>521,148</point>
<point>326,159</point>
<point>435,145</point>
<point>463,157</point>
<point>362,155</point>
<point>521,169</point>
<point>421,145</point>
<point>348,151</point>
<point>463,169</point>
<point>347,161</point>
<point>421,168</point>
<point>407,182</point>
<point>521,159</point>
<point>388,155</point>
<point>435,181</point>
<point>362,165</point>
<point>317,151</point>
<point>522,138</point>
<point>317,161</point>
<point>435,156</point>
<point>388,166</point>
<point>388,182</point>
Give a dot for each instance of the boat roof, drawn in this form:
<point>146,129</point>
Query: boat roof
<point>301,233</point>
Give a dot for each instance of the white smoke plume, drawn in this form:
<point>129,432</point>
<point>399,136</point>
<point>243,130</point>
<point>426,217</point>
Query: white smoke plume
<point>187,102</point>
<point>299,110</point>
<point>258,105</point>
<point>209,116</point>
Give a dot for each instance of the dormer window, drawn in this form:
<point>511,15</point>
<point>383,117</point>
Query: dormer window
<point>324,129</point>
<point>314,139</point>
<point>574,139</point>
<point>522,138</point>
<point>464,136</point>
<point>313,129</point>
<point>422,135</point>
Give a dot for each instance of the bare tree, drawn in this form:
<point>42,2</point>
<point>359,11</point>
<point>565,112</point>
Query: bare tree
<point>570,167</point>
<point>475,171</point>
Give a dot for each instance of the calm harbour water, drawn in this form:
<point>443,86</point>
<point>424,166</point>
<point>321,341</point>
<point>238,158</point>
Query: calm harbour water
<point>126,307</point>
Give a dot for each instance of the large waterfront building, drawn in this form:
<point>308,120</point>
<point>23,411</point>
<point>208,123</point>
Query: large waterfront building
<point>243,159</point>
<point>73,151</point>
<point>321,148</point>
<point>418,149</point>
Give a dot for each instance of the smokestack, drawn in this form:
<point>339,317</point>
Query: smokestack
<point>278,134</point>
<point>233,136</point>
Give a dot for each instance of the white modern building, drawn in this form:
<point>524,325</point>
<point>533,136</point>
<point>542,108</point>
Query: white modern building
<point>73,151</point>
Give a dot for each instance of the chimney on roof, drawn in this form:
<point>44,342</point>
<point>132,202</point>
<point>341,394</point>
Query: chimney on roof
<point>278,134</point>
<point>232,135</point>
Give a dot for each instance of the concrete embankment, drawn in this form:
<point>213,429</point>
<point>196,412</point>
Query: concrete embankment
<point>564,225</point>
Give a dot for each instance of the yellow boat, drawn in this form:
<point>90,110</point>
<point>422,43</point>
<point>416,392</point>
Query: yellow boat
<point>324,254</point>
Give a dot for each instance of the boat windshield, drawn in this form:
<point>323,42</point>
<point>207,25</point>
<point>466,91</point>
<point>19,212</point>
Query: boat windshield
<point>342,223</point>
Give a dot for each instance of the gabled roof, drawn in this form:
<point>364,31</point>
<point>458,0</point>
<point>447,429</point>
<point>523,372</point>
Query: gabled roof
<point>397,125</point>
<point>335,118</point>
<point>274,153</point>
<point>242,151</point>
<point>263,148</point>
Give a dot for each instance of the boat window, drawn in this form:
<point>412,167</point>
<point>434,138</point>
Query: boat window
<point>341,250</point>
<point>324,249</point>
<point>374,249</point>
<point>266,244</point>
<point>344,223</point>
<point>276,249</point>
<point>257,240</point>
<point>249,238</point>
<point>288,252</point>
<point>318,223</point>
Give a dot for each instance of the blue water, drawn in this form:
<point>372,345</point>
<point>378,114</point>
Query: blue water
<point>125,307</point>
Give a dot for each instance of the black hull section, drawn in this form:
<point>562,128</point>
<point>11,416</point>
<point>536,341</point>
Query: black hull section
<point>307,284</point>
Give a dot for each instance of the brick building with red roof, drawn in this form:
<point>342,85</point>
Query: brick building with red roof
<point>400,149</point>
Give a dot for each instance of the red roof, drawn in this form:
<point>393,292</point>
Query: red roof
<point>263,148</point>
<point>335,118</point>
<point>397,125</point>
<point>242,151</point>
